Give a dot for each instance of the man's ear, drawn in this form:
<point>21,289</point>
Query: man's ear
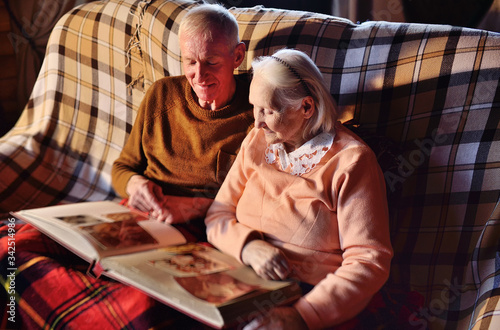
<point>308,106</point>
<point>239,54</point>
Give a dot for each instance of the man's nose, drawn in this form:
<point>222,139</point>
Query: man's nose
<point>200,71</point>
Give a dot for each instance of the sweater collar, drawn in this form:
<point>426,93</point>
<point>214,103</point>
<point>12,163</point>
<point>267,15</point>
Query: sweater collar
<point>239,103</point>
<point>303,159</point>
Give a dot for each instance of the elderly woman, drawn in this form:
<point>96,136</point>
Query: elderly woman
<point>305,199</point>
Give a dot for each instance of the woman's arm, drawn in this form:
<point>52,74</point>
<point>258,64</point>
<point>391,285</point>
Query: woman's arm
<point>223,229</point>
<point>365,241</point>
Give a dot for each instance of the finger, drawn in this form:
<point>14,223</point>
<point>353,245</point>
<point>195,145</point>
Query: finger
<point>256,323</point>
<point>281,273</point>
<point>266,273</point>
<point>164,216</point>
<point>157,191</point>
<point>271,274</point>
<point>158,215</point>
<point>169,218</point>
<point>263,273</point>
<point>149,199</point>
<point>280,267</point>
<point>137,202</point>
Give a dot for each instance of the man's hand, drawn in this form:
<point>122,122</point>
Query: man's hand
<point>146,196</point>
<point>182,209</point>
<point>267,261</point>
<point>287,318</point>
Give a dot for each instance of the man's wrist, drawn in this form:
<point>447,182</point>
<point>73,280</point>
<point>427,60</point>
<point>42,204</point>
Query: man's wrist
<point>133,182</point>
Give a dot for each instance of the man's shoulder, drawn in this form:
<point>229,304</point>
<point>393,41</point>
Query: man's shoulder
<point>241,94</point>
<point>243,79</point>
<point>164,89</point>
<point>169,81</point>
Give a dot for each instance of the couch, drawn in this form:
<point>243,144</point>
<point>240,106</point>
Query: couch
<point>425,97</point>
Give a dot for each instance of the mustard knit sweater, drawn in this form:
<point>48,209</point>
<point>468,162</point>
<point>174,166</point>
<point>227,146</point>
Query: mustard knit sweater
<point>181,146</point>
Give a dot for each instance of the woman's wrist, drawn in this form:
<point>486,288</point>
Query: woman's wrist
<point>246,250</point>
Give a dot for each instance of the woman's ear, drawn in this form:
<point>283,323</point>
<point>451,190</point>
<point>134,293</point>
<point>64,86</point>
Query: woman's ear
<point>308,106</point>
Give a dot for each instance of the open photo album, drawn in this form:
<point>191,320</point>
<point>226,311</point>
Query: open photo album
<point>194,278</point>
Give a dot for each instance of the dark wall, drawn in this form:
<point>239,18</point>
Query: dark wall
<point>454,12</point>
<point>318,6</point>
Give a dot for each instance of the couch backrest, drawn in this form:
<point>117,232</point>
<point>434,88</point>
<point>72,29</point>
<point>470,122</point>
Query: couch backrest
<point>432,89</point>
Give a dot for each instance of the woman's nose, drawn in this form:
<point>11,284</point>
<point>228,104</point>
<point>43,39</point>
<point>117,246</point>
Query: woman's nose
<point>259,122</point>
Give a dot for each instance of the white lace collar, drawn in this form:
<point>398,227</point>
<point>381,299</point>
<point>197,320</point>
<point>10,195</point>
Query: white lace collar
<point>303,159</point>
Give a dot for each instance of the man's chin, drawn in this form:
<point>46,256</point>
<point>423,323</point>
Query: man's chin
<point>204,98</point>
<point>206,93</point>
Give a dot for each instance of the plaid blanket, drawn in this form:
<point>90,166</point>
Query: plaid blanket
<point>433,90</point>
<point>52,291</point>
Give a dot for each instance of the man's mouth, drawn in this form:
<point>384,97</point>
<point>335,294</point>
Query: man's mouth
<point>204,85</point>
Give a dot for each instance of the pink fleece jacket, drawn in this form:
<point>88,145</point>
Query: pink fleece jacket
<point>332,223</point>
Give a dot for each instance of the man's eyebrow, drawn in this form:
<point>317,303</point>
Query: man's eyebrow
<point>211,57</point>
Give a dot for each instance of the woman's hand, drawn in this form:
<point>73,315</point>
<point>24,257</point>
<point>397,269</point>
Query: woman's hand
<point>267,261</point>
<point>287,318</point>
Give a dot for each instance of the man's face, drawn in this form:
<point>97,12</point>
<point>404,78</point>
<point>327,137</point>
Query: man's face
<point>209,66</point>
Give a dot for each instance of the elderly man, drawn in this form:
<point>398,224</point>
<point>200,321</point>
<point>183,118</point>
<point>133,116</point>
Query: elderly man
<point>189,128</point>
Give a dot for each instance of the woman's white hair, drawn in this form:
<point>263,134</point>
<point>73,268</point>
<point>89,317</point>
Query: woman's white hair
<point>293,76</point>
<point>209,21</point>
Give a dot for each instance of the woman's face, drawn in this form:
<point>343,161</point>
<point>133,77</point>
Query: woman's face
<point>279,126</point>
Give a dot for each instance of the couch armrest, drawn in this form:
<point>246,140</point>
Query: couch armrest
<point>79,114</point>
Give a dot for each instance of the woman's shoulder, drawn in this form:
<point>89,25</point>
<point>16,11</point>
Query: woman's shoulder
<point>350,146</point>
<point>347,138</point>
<point>254,140</point>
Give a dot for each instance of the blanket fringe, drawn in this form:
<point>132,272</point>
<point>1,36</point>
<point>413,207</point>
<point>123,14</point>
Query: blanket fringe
<point>135,40</point>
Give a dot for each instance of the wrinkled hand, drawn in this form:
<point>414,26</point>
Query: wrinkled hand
<point>267,261</point>
<point>182,209</point>
<point>287,318</point>
<point>147,196</point>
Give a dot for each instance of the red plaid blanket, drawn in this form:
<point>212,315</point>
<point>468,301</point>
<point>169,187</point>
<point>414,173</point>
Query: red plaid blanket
<point>53,292</point>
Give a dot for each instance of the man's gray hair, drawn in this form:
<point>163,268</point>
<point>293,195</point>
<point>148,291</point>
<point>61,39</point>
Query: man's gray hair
<point>208,21</point>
